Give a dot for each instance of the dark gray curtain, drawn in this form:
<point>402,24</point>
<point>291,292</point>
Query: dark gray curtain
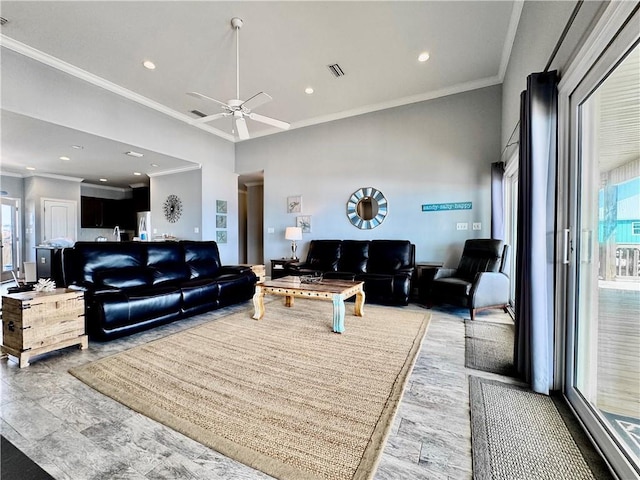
<point>533,348</point>
<point>497,200</point>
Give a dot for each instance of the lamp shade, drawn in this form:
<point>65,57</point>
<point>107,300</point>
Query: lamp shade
<point>293,233</point>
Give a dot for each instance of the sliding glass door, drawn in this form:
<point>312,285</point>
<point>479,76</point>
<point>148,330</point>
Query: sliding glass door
<point>602,249</point>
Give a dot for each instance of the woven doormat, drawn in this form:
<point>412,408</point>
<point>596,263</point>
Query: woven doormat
<point>518,434</point>
<point>489,346</point>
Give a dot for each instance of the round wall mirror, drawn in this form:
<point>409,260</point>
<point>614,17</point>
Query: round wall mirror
<point>367,208</point>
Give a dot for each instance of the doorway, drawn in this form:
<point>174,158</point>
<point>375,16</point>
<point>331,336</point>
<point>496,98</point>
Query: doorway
<point>10,219</point>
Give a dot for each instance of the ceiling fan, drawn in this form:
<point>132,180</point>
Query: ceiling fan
<point>239,109</point>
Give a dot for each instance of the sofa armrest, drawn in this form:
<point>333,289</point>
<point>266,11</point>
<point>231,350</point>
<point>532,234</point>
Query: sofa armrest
<point>444,273</point>
<point>404,271</point>
<point>296,266</point>
<point>488,289</point>
<point>234,269</point>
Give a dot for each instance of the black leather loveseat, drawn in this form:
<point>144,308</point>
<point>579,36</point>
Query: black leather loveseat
<point>133,286</point>
<point>385,266</point>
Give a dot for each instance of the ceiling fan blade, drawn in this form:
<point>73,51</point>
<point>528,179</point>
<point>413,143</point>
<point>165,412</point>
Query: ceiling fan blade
<point>269,121</point>
<point>241,127</point>
<point>201,96</point>
<point>257,100</point>
<point>209,118</point>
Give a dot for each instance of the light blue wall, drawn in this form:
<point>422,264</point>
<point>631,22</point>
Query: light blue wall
<point>430,152</point>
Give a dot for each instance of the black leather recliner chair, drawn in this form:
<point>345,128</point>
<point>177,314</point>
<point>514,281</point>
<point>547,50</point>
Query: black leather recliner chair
<point>479,282</point>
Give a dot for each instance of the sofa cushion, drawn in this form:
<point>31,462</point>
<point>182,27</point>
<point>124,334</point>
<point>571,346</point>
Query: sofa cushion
<point>91,257</point>
<point>388,256</point>
<point>199,291</point>
<point>354,256</point>
<point>127,277</point>
<point>202,258</point>
<point>323,255</point>
<point>117,309</point>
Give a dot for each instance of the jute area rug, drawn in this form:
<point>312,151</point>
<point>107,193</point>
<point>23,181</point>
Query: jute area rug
<point>283,395</point>
<point>489,346</point>
<point>518,434</point>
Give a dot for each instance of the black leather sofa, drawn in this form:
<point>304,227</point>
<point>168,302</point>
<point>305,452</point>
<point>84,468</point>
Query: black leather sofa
<point>385,266</point>
<point>133,286</point>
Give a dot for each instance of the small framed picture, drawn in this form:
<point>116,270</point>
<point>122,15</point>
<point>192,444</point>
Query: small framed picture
<point>221,206</point>
<point>221,221</point>
<point>294,204</point>
<point>221,236</point>
<point>304,222</point>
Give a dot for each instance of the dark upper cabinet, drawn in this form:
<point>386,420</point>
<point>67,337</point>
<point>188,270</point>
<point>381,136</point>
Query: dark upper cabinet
<point>107,213</point>
<point>91,212</point>
<point>141,199</point>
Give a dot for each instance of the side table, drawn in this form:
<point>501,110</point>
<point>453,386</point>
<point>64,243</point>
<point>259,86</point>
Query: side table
<point>34,323</point>
<point>425,271</point>
<point>277,267</point>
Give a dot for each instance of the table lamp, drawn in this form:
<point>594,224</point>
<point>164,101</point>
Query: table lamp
<point>293,234</point>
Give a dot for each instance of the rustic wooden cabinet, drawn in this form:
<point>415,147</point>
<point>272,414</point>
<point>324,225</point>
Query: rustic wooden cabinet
<point>34,323</point>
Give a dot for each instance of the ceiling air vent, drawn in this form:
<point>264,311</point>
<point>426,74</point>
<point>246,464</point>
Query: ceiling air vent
<point>336,70</point>
<point>198,113</point>
<point>3,21</point>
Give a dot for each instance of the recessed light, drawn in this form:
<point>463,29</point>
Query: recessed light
<point>65,158</point>
<point>103,180</point>
<point>149,65</point>
<point>137,173</point>
<point>423,57</point>
<point>77,147</point>
<point>134,154</point>
<point>31,168</point>
<point>308,90</point>
<point>154,164</point>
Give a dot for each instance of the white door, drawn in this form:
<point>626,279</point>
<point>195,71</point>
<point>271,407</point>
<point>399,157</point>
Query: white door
<point>60,219</point>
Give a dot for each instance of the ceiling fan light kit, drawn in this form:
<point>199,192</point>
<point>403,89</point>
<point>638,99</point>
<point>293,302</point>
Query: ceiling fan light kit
<point>240,110</point>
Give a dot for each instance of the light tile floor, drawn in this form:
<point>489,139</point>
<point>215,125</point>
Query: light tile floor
<point>76,433</point>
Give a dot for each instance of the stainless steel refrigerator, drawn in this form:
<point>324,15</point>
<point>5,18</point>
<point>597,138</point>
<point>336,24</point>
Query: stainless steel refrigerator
<point>143,226</point>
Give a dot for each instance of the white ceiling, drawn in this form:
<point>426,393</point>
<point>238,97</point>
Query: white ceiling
<point>284,48</point>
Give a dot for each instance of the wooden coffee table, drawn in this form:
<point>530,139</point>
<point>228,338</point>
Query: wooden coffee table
<point>291,287</point>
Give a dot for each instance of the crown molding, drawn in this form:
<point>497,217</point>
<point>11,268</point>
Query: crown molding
<point>195,166</point>
<point>56,177</point>
<point>105,187</point>
<point>12,174</point>
<point>51,61</point>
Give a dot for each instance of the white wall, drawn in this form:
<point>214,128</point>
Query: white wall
<point>186,186</point>
<point>436,151</point>
<point>33,89</point>
<point>541,24</point>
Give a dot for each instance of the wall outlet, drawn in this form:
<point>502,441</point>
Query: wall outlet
<point>155,230</point>
<point>271,230</point>
<point>462,226</point>
<point>477,226</point>
<point>196,230</point>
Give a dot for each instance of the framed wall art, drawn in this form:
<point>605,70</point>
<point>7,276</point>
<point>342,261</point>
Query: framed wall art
<point>304,222</point>
<point>221,206</point>
<point>221,221</point>
<point>294,204</point>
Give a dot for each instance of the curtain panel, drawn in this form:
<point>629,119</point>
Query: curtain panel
<point>497,200</point>
<point>533,346</point>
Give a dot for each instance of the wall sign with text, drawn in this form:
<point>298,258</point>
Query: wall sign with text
<point>442,207</point>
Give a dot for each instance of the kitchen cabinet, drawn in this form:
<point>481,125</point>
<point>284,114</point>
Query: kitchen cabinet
<point>107,213</point>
